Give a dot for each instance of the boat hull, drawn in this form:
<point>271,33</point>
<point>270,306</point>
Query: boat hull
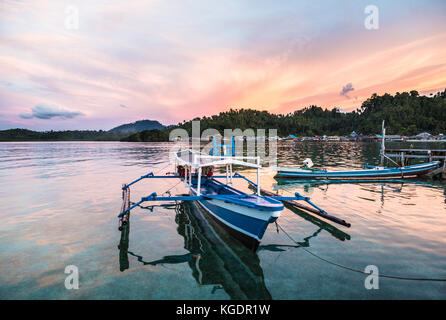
<point>247,225</point>
<point>376,173</point>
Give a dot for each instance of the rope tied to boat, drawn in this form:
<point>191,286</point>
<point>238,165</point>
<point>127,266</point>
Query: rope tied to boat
<point>354,269</point>
<point>126,186</point>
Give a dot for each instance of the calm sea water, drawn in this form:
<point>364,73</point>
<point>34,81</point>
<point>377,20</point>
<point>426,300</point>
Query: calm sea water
<point>59,202</point>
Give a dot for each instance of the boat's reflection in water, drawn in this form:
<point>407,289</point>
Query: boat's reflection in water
<point>216,259</point>
<point>381,186</point>
<point>308,184</point>
<point>321,223</point>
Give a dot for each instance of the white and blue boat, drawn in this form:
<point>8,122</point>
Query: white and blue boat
<point>245,216</point>
<point>370,172</point>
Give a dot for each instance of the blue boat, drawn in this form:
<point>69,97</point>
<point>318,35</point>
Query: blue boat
<point>245,216</point>
<point>368,173</point>
<point>371,172</point>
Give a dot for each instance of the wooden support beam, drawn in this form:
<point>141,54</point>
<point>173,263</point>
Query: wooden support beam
<point>125,205</point>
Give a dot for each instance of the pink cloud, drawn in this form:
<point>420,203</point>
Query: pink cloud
<point>164,65</point>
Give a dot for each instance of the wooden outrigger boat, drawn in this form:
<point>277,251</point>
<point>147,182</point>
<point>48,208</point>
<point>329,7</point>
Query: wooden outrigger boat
<point>245,216</point>
<point>369,172</point>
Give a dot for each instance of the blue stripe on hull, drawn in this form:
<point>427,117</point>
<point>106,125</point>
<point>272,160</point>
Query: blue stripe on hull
<point>249,242</point>
<point>388,173</point>
<point>249,226</point>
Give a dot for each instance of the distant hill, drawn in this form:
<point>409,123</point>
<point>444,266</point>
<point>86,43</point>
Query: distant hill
<point>138,126</point>
<point>114,134</point>
<point>154,135</point>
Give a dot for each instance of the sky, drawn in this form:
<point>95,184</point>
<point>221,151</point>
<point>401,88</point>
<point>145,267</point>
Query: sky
<point>83,64</point>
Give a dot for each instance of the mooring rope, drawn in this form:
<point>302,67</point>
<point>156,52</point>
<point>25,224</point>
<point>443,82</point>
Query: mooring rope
<point>353,269</point>
<point>168,190</point>
<point>168,164</point>
<point>165,205</point>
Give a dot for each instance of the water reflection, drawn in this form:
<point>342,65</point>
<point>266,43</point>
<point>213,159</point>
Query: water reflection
<point>319,182</point>
<point>218,260</point>
<point>331,229</point>
<point>124,246</point>
<point>214,257</point>
<point>444,191</point>
<point>374,186</point>
<point>396,185</point>
<point>38,180</point>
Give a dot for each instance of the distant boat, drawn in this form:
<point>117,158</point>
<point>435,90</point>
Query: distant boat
<point>371,172</point>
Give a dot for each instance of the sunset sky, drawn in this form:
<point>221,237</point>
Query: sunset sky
<point>176,60</point>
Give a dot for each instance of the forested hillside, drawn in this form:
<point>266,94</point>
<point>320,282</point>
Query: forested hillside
<point>68,135</point>
<point>405,113</point>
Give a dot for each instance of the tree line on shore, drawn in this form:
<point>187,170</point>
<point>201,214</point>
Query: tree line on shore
<point>406,113</point>
<point>66,135</point>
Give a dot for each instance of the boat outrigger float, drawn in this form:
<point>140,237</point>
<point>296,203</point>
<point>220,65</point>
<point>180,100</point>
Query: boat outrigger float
<point>370,172</point>
<point>245,216</point>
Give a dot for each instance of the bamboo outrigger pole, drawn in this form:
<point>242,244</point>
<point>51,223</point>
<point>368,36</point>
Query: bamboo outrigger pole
<point>316,210</point>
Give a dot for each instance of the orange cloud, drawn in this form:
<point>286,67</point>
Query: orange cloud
<point>171,64</point>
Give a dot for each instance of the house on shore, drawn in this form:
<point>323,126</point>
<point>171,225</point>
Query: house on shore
<point>394,137</point>
<point>290,137</point>
<point>422,136</point>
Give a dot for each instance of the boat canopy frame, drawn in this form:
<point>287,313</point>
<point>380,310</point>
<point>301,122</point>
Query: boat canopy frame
<point>198,160</point>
